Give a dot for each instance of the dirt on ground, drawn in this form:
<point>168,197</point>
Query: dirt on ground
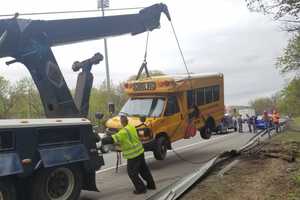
<point>270,171</point>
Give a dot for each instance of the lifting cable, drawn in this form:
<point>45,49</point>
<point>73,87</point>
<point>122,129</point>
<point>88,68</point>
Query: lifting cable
<point>144,64</point>
<point>180,157</point>
<point>182,55</point>
<point>180,50</point>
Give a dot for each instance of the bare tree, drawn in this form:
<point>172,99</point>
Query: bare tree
<point>286,11</point>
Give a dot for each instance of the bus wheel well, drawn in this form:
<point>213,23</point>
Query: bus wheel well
<point>210,122</point>
<point>165,135</point>
<point>208,128</point>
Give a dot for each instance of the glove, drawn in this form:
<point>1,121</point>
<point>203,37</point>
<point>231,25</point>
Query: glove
<point>107,140</point>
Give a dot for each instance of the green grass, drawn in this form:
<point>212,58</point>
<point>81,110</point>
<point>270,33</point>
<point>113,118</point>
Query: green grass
<point>293,196</point>
<point>288,136</point>
<point>295,177</point>
<point>297,121</point>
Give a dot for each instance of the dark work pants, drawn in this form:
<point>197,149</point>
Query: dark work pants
<point>138,166</point>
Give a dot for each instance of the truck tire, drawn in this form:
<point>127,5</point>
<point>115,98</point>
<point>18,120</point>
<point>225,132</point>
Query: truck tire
<point>161,148</point>
<point>59,183</point>
<point>7,190</point>
<point>205,132</point>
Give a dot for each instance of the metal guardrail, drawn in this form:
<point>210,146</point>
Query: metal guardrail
<point>176,189</point>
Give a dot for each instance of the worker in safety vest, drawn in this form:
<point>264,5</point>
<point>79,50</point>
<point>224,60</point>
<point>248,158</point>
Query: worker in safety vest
<point>132,150</point>
<point>275,120</point>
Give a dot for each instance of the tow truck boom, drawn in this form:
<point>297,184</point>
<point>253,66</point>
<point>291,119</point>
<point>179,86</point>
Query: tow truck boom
<point>29,42</point>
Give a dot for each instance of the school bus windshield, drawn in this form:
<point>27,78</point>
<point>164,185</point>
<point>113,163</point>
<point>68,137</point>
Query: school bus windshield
<point>148,107</point>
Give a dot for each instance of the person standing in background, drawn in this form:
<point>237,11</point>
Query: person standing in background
<point>240,123</point>
<point>254,120</point>
<point>275,120</point>
<point>235,116</point>
<point>249,123</point>
<point>267,121</point>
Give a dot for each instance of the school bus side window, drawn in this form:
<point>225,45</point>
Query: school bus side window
<point>208,95</point>
<point>190,98</point>
<point>200,96</point>
<point>216,93</point>
<point>172,106</point>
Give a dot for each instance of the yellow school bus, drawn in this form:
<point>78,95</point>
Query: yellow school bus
<point>169,108</point>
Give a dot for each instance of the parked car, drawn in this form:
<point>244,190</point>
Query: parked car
<point>228,123</point>
<point>260,123</point>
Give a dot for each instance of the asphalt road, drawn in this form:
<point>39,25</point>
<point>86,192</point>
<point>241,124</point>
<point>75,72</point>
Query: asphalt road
<point>116,186</point>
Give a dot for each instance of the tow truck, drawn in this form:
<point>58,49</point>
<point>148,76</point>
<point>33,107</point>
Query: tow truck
<point>55,158</point>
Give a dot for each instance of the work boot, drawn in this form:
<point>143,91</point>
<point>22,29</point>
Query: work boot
<point>151,187</point>
<point>139,192</point>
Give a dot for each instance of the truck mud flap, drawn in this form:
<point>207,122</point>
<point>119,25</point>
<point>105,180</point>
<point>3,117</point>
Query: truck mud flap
<point>10,164</point>
<point>52,157</point>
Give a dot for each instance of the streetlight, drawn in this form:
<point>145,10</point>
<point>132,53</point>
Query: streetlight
<point>105,4</point>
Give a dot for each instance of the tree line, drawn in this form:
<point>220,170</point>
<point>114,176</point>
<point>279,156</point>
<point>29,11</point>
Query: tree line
<point>287,100</point>
<point>22,100</point>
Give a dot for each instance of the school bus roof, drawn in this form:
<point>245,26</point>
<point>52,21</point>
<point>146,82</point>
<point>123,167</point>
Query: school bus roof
<point>168,83</point>
<point>183,77</point>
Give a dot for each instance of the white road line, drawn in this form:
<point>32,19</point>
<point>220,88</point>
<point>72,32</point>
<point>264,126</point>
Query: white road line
<point>179,148</point>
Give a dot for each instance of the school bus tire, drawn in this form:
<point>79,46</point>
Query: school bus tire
<point>161,148</point>
<point>7,190</point>
<point>205,132</point>
<point>64,182</point>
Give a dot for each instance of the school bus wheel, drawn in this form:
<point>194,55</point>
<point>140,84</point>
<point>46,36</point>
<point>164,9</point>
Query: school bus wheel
<point>7,190</point>
<point>161,148</point>
<point>210,126</point>
<point>205,132</point>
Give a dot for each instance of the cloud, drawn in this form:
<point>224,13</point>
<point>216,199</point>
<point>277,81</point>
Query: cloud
<point>216,35</point>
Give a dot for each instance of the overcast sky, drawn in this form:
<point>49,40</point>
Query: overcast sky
<point>216,36</point>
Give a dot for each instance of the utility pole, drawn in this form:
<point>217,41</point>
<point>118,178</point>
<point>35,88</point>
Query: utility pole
<point>105,4</point>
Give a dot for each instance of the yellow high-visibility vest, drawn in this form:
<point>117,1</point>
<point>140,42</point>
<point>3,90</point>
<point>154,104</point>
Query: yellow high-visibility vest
<point>129,142</point>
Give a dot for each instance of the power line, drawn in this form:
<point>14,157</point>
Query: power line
<point>70,11</point>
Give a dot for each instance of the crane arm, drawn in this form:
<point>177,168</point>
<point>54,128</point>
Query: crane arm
<point>29,42</point>
<point>16,32</point>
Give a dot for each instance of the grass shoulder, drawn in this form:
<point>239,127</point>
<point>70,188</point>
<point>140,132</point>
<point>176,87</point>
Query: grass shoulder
<point>270,171</point>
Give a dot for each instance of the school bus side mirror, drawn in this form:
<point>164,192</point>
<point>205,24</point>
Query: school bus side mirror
<point>143,119</point>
